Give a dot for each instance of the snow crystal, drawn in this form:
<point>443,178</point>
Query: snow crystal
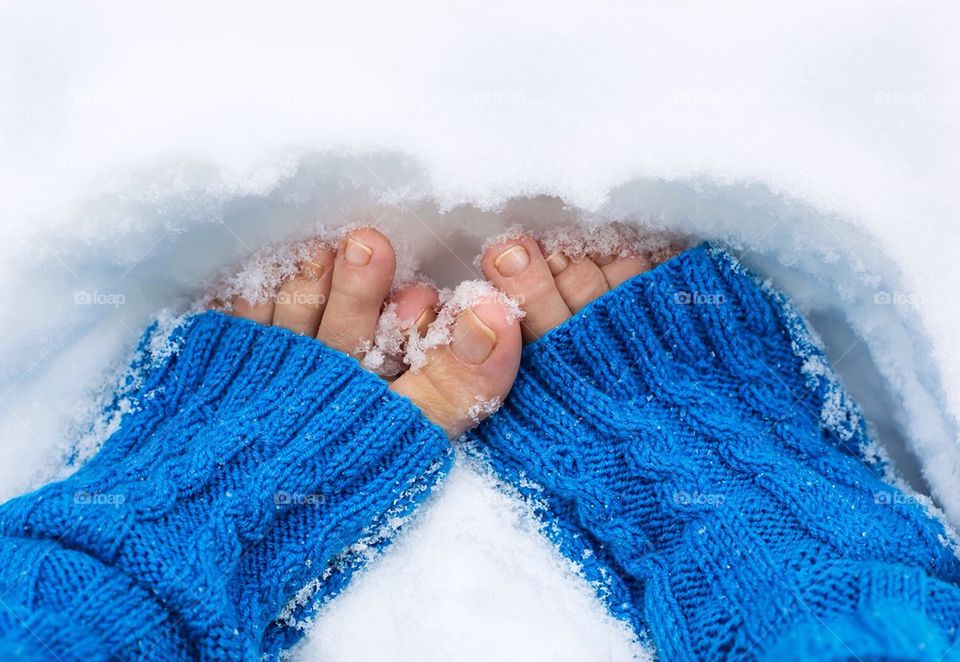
<point>606,238</point>
<point>384,354</point>
<point>838,414</point>
<point>161,344</point>
<point>483,409</point>
<point>261,274</point>
<point>515,231</point>
<point>597,236</point>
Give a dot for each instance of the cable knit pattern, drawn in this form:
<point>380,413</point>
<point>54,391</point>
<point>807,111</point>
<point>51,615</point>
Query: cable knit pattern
<point>251,461</point>
<point>688,447</point>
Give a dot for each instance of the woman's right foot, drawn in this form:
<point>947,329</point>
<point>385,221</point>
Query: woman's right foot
<point>337,297</point>
<point>552,288</point>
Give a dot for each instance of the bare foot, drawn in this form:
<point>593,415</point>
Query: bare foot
<point>337,297</point>
<point>552,288</point>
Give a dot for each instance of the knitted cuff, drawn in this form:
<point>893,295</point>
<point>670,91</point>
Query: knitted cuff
<point>687,445</point>
<point>251,461</point>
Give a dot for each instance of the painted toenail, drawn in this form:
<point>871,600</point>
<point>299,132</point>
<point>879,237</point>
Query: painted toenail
<point>423,321</point>
<point>473,341</point>
<point>557,263</point>
<point>512,261</point>
<point>603,260</point>
<point>356,254</point>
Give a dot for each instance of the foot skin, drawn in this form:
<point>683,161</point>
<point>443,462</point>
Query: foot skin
<point>552,288</point>
<point>337,297</point>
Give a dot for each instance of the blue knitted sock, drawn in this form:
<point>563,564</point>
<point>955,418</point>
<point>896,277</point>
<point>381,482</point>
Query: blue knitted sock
<point>223,509</point>
<point>690,450</point>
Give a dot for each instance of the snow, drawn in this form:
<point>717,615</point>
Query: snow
<point>439,590</point>
<point>258,278</point>
<point>384,355</point>
<point>145,149</point>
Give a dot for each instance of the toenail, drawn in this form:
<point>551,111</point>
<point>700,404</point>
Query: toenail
<point>603,260</point>
<point>512,261</point>
<point>557,263</point>
<point>423,321</point>
<point>473,341</point>
<point>312,269</point>
<point>356,254</point>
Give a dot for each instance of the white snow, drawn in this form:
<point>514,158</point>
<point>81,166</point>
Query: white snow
<point>144,148</point>
<point>439,592</point>
<point>258,278</point>
<point>384,355</point>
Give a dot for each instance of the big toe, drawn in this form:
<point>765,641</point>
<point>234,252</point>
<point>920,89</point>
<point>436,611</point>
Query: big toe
<point>464,381</point>
<point>517,266</point>
<point>362,275</point>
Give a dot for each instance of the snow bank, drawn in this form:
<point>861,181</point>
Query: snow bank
<point>145,149</point>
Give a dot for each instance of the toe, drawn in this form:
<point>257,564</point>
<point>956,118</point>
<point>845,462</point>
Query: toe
<point>416,306</point>
<point>362,274</point>
<point>518,268</point>
<point>578,280</point>
<point>618,270</point>
<point>463,382</point>
<point>261,313</point>
<point>302,298</point>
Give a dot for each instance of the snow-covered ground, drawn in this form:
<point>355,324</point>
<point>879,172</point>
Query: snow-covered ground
<point>143,148</point>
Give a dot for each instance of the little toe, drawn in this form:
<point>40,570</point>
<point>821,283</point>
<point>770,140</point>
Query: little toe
<point>578,280</point>
<point>463,382</point>
<point>261,313</point>
<point>620,269</point>
<point>517,267</point>
<point>362,275</point>
<point>303,297</point>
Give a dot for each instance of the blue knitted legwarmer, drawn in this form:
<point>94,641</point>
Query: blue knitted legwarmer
<point>689,449</point>
<point>251,461</point>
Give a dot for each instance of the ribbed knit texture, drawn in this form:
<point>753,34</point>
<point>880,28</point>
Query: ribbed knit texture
<point>250,463</point>
<point>689,448</point>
